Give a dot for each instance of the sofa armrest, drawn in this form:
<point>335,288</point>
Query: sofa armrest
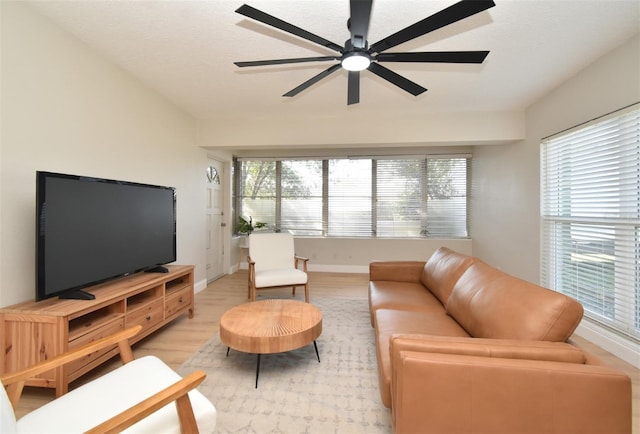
<point>435,392</point>
<point>398,271</point>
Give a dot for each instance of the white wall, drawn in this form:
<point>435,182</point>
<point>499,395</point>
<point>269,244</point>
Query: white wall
<point>353,130</point>
<point>506,180</point>
<point>353,255</point>
<point>504,203</point>
<point>66,109</point>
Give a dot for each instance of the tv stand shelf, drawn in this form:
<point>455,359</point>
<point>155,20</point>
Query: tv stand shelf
<point>34,331</point>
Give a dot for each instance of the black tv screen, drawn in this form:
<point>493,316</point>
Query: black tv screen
<point>89,230</point>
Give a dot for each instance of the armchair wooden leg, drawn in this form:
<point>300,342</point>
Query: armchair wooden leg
<point>293,291</point>
<point>187,419</point>
<point>306,293</point>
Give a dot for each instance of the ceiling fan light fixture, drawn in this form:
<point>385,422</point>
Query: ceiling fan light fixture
<point>356,61</point>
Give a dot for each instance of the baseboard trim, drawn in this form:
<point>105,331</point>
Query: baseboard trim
<point>199,286</point>
<point>616,345</point>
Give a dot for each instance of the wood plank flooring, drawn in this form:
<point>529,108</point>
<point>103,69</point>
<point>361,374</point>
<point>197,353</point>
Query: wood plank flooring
<point>178,340</point>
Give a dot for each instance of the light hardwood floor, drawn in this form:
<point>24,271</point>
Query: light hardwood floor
<point>180,339</point>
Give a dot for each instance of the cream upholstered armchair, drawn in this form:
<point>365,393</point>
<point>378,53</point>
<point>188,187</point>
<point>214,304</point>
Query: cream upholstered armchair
<point>136,397</point>
<point>274,264</point>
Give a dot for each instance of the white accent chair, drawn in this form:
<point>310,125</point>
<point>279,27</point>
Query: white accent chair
<point>134,398</point>
<point>274,264</point>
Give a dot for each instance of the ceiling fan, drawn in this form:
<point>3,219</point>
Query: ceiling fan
<point>357,55</point>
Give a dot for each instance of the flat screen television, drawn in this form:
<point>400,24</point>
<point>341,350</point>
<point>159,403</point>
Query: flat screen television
<point>90,230</point>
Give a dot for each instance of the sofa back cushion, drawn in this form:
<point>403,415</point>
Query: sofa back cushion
<point>491,304</point>
<point>442,271</point>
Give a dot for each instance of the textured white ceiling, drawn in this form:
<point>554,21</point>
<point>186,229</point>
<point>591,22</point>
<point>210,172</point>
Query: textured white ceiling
<point>185,50</point>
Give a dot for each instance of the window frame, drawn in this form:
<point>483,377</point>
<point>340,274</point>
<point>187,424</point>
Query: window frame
<point>462,233</point>
<point>590,218</point>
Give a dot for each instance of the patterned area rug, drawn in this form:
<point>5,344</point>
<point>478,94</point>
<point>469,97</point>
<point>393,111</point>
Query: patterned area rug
<point>295,393</point>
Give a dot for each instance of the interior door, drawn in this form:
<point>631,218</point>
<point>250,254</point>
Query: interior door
<point>215,244</point>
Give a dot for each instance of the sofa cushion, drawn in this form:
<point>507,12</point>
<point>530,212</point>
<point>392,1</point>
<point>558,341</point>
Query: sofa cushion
<point>498,348</point>
<point>391,321</point>
<point>442,271</point>
<point>403,296</point>
<point>491,304</point>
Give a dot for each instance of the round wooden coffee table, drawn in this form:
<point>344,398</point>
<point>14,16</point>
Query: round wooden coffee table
<point>270,326</point>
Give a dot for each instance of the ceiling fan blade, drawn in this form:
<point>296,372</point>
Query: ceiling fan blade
<point>403,83</point>
<point>353,88</point>
<point>272,21</point>
<point>453,13</point>
<point>285,61</point>
<point>359,22</point>
<point>313,80</point>
<point>435,57</point>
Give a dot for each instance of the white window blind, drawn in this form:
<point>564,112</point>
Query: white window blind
<point>400,197</point>
<point>590,210</point>
<point>447,207</point>
<point>408,196</point>
<point>301,197</point>
<point>349,198</point>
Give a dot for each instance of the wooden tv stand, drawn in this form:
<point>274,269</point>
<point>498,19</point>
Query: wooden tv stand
<point>35,331</point>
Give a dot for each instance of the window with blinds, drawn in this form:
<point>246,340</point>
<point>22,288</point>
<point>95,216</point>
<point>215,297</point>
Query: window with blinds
<point>256,191</point>
<point>301,197</point>
<point>362,197</point>
<point>349,198</point>
<point>400,197</point>
<point>590,210</point>
<point>447,184</point>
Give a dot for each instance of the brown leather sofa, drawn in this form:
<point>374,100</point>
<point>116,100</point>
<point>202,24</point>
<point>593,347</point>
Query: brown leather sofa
<point>465,348</point>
